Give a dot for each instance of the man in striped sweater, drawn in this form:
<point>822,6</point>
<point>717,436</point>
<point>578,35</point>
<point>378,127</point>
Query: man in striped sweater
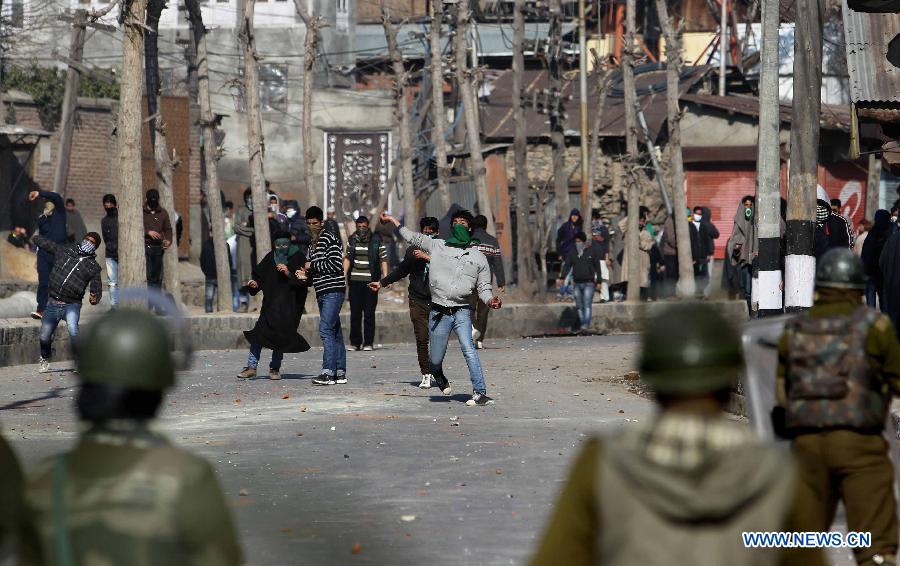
<point>325,266</point>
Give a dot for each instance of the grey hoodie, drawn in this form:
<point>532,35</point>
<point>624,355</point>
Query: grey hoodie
<point>455,274</point>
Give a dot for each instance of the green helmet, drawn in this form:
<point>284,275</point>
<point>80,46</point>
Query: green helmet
<point>127,348</point>
<point>839,268</point>
<point>690,349</point>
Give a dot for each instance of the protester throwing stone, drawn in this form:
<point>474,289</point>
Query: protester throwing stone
<point>457,272</point>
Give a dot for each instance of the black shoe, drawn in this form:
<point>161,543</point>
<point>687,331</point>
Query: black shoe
<point>441,382</point>
<point>479,399</point>
<point>323,379</point>
<point>340,379</point>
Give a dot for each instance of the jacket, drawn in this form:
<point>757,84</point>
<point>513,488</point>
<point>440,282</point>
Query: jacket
<point>375,260</point>
<point>700,242</point>
<point>565,235</point>
<point>490,247</point>
<point>157,221</point>
<point>456,274</point>
<point>109,229</point>
<point>833,233</point>
<point>53,227</point>
<point>585,267</point>
<point>208,260</point>
<point>72,271</point>
<point>417,271</point>
<point>75,228</point>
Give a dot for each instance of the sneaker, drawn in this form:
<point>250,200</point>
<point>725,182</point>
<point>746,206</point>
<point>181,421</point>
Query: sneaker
<point>475,334</point>
<point>441,383</point>
<point>480,400</point>
<point>37,315</point>
<point>247,373</point>
<point>274,374</point>
<point>324,379</point>
<point>45,365</point>
<point>341,379</point>
<point>479,345</point>
<point>426,381</point>
<point>368,349</point>
<point>356,348</point>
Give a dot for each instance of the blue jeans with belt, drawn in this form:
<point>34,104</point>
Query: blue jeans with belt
<point>334,357</point>
<point>441,324</point>
<point>54,312</point>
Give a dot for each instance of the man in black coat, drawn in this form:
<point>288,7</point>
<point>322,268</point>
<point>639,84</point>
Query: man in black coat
<point>109,227</point>
<point>279,275</point>
<point>51,225</point>
<point>701,249</point>
<point>832,231</point>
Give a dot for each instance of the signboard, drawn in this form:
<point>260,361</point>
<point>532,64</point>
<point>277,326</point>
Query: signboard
<point>357,168</point>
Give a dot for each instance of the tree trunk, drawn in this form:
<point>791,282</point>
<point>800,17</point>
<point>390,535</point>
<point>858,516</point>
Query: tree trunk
<point>437,105</point>
<point>768,165</point>
<point>524,246</point>
<point>401,111</point>
<point>632,236</point>
<point>255,144</point>
<point>686,286</point>
<point>466,78</point>
<point>165,165</point>
<point>310,43</point>
<point>132,262</point>
<point>211,160</point>
<point>873,182</point>
<point>800,262</point>
<point>583,107</point>
<point>70,104</point>
<point>557,132</point>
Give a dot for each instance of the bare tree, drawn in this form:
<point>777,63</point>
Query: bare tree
<point>437,104</point>
<point>132,263</point>
<point>165,164</point>
<point>632,245</point>
<point>255,144</point>
<point>466,78</point>
<point>524,246</point>
<point>310,45</point>
<point>672,33</point>
<point>557,131</point>
<point>70,102</point>
<point>401,113</point>
<point>211,158</point>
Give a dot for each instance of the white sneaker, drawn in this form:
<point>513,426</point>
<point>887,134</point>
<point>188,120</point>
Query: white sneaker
<point>426,381</point>
<point>479,345</point>
<point>368,348</point>
<point>45,365</point>
<point>475,334</point>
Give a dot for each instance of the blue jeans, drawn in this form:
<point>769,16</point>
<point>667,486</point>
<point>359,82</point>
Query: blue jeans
<point>584,298</point>
<point>210,294</point>
<point>112,274</point>
<point>440,326</point>
<point>334,358</point>
<point>253,357</point>
<point>54,312</point>
<point>235,294</point>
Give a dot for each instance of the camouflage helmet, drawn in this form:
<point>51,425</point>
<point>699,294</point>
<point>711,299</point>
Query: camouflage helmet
<point>127,348</point>
<point>839,268</point>
<point>690,349</point>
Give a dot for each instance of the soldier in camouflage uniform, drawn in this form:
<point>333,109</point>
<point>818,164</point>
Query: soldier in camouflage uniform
<point>838,366</point>
<point>680,487</point>
<point>124,495</point>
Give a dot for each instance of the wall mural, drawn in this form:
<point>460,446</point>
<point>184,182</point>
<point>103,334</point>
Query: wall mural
<point>357,168</point>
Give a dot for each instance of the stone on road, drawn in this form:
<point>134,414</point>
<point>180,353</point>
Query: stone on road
<point>377,471</point>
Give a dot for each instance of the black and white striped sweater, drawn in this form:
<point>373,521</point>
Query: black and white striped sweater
<point>327,263</point>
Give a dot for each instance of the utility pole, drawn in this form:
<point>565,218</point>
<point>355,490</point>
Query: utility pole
<point>165,165</point>
<point>594,150</point>
<point>255,144</point>
<point>310,45</point>
<point>437,104</point>
<point>723,47</point>
<point>873,185</point>
<point>210,158</point>
<point>70,102</point>
<point>686,286</point>
<point>768,164</point>
<point>524,246</point>
<point>583,91</point>
<point>557,133</point>
<point>466,77</point>
<point>132,262</point>
<point>401,111</point>
<point>800,261</point>
<point>632,236</point>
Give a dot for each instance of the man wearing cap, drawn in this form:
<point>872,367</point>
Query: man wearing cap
<point>832,231</point>
<point>682,486</point>
<point>124,494</point>
<point>838,365</point>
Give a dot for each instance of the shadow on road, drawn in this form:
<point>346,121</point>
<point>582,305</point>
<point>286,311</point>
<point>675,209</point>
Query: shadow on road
<point>55,393</point>
<point>460,397</point>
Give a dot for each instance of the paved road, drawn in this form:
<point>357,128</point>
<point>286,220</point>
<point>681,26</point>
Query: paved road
<point>325,469</point>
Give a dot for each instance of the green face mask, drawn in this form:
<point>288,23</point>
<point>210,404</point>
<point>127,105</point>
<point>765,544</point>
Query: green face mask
<point>459,236</point>
<point>748,213</point>
<point>281,250</point>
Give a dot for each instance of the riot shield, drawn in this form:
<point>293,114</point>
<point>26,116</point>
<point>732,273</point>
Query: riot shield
<point>760,343</point>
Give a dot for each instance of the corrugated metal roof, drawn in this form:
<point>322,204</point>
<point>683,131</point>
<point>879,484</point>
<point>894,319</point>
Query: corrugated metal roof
<point>873,79</point>
<point>16,130</point>
<point>833,116</point>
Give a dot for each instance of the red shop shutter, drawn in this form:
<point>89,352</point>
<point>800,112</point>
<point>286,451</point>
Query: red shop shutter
<point>720,188</point>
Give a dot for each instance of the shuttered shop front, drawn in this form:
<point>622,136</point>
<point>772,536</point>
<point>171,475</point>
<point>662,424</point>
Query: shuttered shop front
<point>720,189</point>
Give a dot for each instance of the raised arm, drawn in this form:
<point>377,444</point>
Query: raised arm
<point>55,198</point>
<point>45,244</point>
<point>415,239</point>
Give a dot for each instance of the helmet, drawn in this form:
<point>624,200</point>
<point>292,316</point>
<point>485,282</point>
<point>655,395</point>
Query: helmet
<point>127,348</point>
<point>839,268</point>
<point>690,349</point>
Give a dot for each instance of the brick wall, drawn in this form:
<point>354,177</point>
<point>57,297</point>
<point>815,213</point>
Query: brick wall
<point>369,11</point>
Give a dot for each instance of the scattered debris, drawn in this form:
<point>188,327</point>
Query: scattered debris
<point>357,548</point>
<point>286,396</point>
<point>243,492</point>
<point>632,376</point>
<point>499,471</point>
<point>333,428</point>
<point>407,518</point>
<point>303,409</point>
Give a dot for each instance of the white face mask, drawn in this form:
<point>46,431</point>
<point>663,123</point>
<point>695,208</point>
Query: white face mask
<point>291,213</point>
<point>698,217</point>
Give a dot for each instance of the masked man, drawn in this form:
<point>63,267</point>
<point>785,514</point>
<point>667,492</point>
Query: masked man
<point>157,237</point>
<point>51,225</point>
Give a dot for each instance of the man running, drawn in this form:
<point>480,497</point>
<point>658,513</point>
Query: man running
<point>457,272</point>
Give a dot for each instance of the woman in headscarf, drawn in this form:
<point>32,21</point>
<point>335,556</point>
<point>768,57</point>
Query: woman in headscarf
<point>278,276</point>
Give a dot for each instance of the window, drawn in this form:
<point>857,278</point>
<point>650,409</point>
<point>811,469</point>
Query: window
<point>273,87</point>
<point>17,14</point>
<point>342,16</point>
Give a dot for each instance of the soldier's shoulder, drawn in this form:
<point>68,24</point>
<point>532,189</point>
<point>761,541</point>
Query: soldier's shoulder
<point>882,323</point>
